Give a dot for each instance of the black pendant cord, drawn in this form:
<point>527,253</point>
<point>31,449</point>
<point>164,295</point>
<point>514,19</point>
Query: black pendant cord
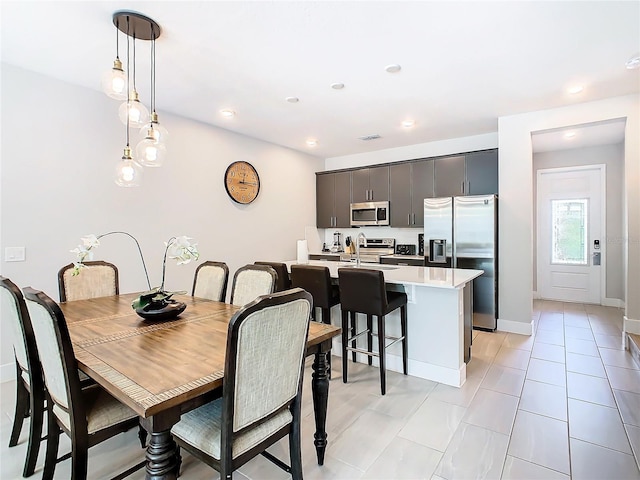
<point>134,62</point>
<point>117,43</point>
<point>153,75</point>
<point>128,81</point>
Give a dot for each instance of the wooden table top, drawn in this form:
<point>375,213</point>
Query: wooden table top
<point>153,366</point>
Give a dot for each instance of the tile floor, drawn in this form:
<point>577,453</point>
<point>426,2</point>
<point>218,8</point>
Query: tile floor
<point>562,404</point>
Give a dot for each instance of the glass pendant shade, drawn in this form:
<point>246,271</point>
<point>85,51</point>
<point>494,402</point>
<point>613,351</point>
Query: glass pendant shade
<point>114,82</point>
<point>160,134</point>
<point>128,172</point>
<point>149,152</point>
<point>138,113</point>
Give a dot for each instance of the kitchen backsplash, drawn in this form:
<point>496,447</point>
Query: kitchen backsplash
<point>401,235</point>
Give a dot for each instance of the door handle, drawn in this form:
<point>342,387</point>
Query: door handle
<point>408,219</point>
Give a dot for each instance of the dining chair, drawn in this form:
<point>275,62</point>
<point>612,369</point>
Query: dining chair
<point>262,388</point>
<point>97,279</point>
<point>210,281</point>
<point>283,282</point>
<point>251,281</point>
<point>88,416</point>
<point>30,396</point>
<point>363,291</point>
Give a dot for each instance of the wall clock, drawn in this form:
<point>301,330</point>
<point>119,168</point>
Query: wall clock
<point>242,182</point>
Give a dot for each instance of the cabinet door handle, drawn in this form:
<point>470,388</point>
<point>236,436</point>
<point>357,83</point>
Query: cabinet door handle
<point>408,219</point>
<point>462,187</point>
<point>370,194</point>
<point>414,219</point>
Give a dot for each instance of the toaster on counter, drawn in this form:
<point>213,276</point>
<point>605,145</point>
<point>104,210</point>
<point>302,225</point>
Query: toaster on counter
<point>405,249</point>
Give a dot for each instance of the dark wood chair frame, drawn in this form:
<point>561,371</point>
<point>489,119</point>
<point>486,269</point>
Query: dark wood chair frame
<point>30,397</point>
<point>223,294</point>
<point>283,282</point>
<point>81,440</point>
<point>61,289</point>
<point>227,464</point>
<point>264,268</point>
<point>371,307</point>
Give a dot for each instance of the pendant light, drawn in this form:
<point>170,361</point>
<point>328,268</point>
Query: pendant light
<point>151,150</point>
<point>114,82</point>
<point>132,112</point>
<point>128,172</point>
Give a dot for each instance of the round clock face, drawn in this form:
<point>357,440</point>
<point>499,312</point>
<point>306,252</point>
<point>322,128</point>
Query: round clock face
<point>242,182</point>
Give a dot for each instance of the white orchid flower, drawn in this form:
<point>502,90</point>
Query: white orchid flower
<point>181,249</point>
<point>83,253</point>
<point>90,241</point>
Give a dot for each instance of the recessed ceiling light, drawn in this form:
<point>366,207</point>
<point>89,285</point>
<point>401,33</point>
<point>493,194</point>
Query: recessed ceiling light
<point>393,68</point>
<point>633,62</point>
<point>408,123</point>
<point>293,99</point>
<point>575,89</point>
<point>227,113</point>
<point>312,142</point>
<point>569,134</point>
<point>337,86</point>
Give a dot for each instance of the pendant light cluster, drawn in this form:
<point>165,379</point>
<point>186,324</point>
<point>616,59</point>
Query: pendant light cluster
<point>151,150</point>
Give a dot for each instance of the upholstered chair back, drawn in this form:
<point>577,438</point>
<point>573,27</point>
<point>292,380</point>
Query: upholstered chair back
<point>265,354</point>
<point>252,281</point>
<point>210,281</point>
<point>96,279</point>
<point>59,366</point>
<point>13,309</point>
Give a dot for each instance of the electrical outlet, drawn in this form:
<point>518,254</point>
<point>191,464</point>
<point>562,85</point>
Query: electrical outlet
<point>14,254</point>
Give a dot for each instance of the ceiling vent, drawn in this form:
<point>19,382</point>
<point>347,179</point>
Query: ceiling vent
<point>366,138</point>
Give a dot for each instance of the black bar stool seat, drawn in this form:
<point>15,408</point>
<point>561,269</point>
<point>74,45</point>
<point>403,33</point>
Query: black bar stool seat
<point>363,291</point>
<point>282,281</point>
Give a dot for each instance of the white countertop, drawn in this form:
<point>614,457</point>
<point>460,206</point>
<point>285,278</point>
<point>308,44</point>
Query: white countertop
<point>408,275</point>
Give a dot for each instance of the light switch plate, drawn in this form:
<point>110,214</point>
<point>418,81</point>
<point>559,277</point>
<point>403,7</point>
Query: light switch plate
<point>14,254</point>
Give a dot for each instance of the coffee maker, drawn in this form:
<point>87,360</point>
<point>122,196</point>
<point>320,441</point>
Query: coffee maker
<point>337,243</point>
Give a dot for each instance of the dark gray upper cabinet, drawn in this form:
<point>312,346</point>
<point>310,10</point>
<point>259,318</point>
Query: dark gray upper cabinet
<point>410,183</point>
<point>370,184</point>
<point>421,187</point>
<point>332,200</point>
<point>449,176</point>
<point>482,172</point>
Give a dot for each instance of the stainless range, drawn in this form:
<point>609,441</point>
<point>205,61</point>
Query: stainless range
<point>371,249</point>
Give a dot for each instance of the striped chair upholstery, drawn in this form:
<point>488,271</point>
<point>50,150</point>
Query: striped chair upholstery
<point>262,389</point>
<point>210,281</point>
<point>251,281</point>
<point>88,416</point>
<point>30,394</point>
<point>96,279</point>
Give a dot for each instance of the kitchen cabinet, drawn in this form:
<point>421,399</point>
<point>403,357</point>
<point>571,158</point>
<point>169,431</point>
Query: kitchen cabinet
<point>333,200</point>
<point>370,184</point>
<point>481,171</point>
<point>409,184</point>
<point>449,176</point>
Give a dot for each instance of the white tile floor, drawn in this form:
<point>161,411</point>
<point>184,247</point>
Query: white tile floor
<point>562,404</point>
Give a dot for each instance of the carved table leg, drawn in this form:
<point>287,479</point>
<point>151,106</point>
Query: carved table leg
<point>163,455</point>
<point>320,390</point>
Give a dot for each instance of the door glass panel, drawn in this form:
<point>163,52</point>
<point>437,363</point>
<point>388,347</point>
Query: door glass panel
<point>569,225</point>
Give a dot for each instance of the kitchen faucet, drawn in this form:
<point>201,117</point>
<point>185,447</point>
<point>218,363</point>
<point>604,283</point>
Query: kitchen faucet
<point>361,234</point>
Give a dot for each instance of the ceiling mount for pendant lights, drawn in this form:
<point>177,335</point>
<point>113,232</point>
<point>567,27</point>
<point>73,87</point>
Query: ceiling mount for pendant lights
<point>121,85</point>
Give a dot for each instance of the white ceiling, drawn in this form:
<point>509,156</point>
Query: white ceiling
<point>464,64</point>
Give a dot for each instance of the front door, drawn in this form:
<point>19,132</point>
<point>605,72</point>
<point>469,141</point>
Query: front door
<point>570,241</point>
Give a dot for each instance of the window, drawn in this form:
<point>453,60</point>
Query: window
<point>569,225</point>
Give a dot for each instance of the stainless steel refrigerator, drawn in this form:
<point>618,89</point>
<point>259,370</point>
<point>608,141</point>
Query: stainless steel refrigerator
<point>469,225</point>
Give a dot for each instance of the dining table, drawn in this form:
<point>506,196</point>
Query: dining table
<point>162,369</point>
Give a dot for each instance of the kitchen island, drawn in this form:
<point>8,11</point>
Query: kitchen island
<point>439,318</point>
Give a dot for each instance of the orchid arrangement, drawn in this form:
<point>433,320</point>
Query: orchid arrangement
<point>176,248</point>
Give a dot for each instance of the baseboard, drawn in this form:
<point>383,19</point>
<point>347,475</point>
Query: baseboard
<point>511,326</point>
<point>7,372</point>
<point>631,325</point>
<point>613,302</point>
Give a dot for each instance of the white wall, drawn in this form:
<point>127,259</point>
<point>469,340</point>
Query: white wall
<point>612,156</point>
<point>516,202</point>
<point>60,146</point>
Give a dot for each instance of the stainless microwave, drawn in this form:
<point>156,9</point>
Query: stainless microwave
<point>369,213</point>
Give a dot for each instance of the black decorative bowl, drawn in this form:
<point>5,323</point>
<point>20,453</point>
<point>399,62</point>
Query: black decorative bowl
<point>167,311</point>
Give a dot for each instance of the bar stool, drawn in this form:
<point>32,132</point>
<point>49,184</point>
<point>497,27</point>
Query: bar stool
<point>363,291</point>
<point>317,281</point>
<point>282,282</point>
